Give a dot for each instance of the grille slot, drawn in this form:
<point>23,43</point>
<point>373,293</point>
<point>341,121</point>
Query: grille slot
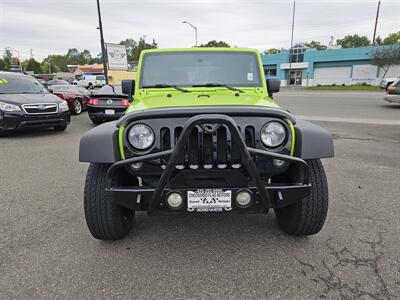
<point>40,108</point>
<point>205,149</point>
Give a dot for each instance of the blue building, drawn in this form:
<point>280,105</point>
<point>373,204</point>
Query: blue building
<point>309,67</point>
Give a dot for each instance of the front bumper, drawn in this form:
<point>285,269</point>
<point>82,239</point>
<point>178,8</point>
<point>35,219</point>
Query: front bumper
<point>267,195</point>
<point>10,121</point>
<point>98,113</point>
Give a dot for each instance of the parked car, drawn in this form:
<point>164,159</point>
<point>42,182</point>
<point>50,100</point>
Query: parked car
<point>55,82</point>
<point>77,97</point>
<point>386,82</point>
<point>108,104</point>
<point>393,92</point>
<point>203,134</point>
<point>25,103</point>
<point>91,81</point>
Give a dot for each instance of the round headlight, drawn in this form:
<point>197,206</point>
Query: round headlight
<point>273,134</point>
<point>141,136</point>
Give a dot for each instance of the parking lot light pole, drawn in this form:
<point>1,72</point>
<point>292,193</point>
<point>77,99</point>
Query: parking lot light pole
<point>103,49</point>
<point>195,30</point>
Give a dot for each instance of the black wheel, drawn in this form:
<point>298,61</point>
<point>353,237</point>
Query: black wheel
<point>77,107</point>
<point>60,128</point>
<point>90,86</point>
<point>106,220</point>
<point>307,216</point>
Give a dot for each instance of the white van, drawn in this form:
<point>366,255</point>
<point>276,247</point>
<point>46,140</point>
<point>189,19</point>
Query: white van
<point>91,81</point>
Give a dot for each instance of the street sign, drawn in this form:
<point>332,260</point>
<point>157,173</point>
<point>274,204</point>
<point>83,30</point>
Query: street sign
<point>116,57</point>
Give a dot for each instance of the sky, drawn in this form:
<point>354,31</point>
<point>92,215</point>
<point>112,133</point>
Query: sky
<point>53,26</point>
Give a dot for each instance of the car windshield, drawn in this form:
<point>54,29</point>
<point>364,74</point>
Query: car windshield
<point>60,88</point>
<point>14,84</point>
<point>109,90</point>
<point>187,69</point>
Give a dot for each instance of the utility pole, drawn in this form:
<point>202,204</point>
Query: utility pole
<point>103,49</point>
<point>291,43</point>
<point>31,52</point>
<point>376,22</point>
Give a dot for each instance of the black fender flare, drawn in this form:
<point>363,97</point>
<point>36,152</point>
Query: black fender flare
<point>100,144</point>
<point>312,141</point>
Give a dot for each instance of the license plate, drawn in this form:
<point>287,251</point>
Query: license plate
<point>110,111</point>
<point>209,200</point>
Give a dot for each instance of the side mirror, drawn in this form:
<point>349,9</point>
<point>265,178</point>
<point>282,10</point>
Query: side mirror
<point>273,85</point>
<point>51,91</point>
<point>128,88</point>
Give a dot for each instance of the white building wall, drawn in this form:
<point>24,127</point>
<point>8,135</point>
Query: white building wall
<point>332,75</point>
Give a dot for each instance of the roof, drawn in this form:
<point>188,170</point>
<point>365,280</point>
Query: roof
<point>14,74</point>
<point>201,49</point>
<point>91,70</point>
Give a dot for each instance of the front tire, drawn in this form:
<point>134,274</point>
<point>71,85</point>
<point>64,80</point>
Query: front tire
<point>77,106</point>
<point>105,219</point>
<point>307,216</point>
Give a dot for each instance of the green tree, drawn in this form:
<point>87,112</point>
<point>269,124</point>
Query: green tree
<point>58,63</point>
<point>2,64</point>
<point>272,51</point>
<point>392,38</point>
<point>214,43</point>
<point>386,56</point>
<point>7,57</point>
<point>85,57</point>
<point>134,48</point>
<point>316,45</point>
<point>32,65</point>
<point>378,41</point>
<point>354,41</point>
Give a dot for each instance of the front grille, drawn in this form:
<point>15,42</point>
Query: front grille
<point>40,108</point>
<point>206,149</point>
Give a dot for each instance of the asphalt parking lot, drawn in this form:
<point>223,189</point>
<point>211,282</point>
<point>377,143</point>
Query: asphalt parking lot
<point>46,250</point>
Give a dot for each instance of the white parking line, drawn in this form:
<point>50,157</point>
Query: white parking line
<point>350,120</point>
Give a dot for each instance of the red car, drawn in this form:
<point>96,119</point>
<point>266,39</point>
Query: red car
<point>76,97</point>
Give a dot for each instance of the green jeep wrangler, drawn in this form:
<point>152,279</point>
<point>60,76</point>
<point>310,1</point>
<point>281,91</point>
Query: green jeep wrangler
<point>203,134</point>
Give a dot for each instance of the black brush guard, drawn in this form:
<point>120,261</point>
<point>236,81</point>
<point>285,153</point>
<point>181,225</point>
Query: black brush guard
<point>282,194</point>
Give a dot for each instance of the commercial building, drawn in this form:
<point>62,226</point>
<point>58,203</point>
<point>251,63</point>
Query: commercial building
<point>309,67</point>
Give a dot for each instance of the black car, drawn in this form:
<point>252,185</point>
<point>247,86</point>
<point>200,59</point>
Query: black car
<point>108,104</point>
<point>25,103</point>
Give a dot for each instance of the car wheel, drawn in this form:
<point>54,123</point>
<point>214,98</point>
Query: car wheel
<point>105,219</point>
<point>307,216</point>
<point>77,107</point>
<point>90,86</point>
<point>60,128</point>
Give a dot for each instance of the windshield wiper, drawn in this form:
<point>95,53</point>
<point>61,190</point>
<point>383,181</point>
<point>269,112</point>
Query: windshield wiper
<point>217,85</point>
<point>164,85</point>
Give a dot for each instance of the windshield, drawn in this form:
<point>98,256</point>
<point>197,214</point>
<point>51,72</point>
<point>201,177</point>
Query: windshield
<point>200,68</point>
<point>14,84</point>
<point>110,90</point>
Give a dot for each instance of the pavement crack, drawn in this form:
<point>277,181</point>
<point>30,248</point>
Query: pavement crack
<point>330,275</point>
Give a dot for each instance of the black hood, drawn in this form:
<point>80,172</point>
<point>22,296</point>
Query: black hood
<point>29,98</point>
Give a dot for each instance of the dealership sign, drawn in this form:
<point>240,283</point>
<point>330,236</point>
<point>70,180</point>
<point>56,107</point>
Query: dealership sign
<point>116,57</point>
<point>364,73</point>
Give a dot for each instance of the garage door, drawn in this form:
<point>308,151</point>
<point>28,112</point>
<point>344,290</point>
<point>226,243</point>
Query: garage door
<point>332,75</point>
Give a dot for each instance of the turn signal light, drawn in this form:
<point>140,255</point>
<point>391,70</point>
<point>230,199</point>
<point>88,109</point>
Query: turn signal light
<point>94,101</point>
<point>125,102</point>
